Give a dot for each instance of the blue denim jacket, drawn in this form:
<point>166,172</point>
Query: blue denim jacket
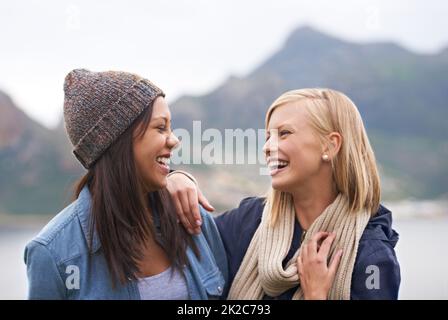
<point>59,253</point>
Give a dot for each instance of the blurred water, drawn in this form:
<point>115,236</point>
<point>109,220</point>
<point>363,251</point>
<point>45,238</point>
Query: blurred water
<point>13,283</point>
<point>421,252</point>
<point>423,258</point>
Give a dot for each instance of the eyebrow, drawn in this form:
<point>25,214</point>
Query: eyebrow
<point>161,117</point>
<point>282,126</point>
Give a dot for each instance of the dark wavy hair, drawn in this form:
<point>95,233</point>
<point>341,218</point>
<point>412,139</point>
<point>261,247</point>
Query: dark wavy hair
<point>121,211</point>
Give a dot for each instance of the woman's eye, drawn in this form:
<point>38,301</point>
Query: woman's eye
<point>284,133</point>
<point>162,129</point>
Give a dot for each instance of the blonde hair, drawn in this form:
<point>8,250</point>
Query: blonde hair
<point>354,167</point>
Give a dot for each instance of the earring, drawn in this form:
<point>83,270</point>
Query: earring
<point>325,157</point>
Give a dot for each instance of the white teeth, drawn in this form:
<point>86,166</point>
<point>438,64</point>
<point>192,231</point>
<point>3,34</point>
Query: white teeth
<point>276,163</point>
<point>163,160</point>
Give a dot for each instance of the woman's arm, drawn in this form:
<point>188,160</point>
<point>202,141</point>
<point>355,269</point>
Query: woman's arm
<point>315,275</point>
<point>187,196</point>
<point>236,227</point>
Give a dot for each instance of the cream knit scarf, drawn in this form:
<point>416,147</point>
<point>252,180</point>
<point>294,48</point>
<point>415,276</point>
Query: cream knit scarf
<point>261,271</point>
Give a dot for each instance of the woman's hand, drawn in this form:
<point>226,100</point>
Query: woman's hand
<point>187,197</point>
<point>316,277</point>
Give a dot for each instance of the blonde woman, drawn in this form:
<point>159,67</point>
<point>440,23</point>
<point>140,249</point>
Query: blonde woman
<point>320,232</point>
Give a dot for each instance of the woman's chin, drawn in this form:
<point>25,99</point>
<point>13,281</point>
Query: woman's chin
<point>278,185</point>
<point>281,184</point>
<point>163,183</point>
<point>157,184</point>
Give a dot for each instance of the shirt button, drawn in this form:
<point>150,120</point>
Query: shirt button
<point>219,289</point>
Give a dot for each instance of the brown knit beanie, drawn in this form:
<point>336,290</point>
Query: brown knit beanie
<point>100,106</point>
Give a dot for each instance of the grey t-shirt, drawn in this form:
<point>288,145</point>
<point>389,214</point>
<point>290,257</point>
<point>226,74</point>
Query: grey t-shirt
<point>167,285</point>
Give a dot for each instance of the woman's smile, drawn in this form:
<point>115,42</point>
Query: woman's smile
<point>163,162</point>
<point>277,165</point>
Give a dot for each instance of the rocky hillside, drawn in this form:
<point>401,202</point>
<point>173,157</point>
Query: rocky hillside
<point>35,172</point>
<point>401,95</point>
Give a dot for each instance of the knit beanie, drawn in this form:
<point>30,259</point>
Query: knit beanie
<point>100,106</point>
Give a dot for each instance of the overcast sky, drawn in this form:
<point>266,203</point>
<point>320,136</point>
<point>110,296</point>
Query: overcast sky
<point>184,46</point>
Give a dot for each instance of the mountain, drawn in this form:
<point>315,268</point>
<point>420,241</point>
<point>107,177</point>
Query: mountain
<point>391,86</point>
<point>36,174</point>
<point>402,97</point>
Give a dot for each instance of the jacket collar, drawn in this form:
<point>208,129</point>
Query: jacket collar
<point>83,208</point>
<point>380,227</point>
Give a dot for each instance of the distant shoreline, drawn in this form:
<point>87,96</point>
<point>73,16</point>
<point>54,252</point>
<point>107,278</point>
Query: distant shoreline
<point>23,221</point>
<point>401,210</point>
<point>426,209</point>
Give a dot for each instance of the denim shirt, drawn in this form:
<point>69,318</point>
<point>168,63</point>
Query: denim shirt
<point>59,265</point>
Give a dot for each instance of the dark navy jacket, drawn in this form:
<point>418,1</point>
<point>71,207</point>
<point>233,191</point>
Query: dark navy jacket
<point>376,247</point>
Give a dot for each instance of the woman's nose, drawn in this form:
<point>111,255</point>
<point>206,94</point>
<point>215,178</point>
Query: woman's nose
<point>271,146</point>
<point>266,148</point>
<point>173,141</point>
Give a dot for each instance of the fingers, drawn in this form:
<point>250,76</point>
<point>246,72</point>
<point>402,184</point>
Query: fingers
<point>335,263</point>
<point>204,202</point>
<point>180,212</point>
<point>304,253</point>
<point>185,223</point>
<point>183,191</point>
<point>299,265</point>
<point>186,214</point>
<point>319,235</point>
<point>313,242</point>
<point>326,245</point>
<point>194,216</point>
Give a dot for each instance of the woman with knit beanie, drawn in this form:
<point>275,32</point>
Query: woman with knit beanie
<point>120,238</point>
<point>320,232</point>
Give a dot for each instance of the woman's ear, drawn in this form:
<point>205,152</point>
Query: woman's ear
<point>334,144</point>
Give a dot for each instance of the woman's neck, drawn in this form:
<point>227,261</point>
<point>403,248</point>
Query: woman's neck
<point>311,201</point>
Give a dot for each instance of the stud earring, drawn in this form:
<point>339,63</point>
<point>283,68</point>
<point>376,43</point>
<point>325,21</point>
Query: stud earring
<point>325,157</point>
